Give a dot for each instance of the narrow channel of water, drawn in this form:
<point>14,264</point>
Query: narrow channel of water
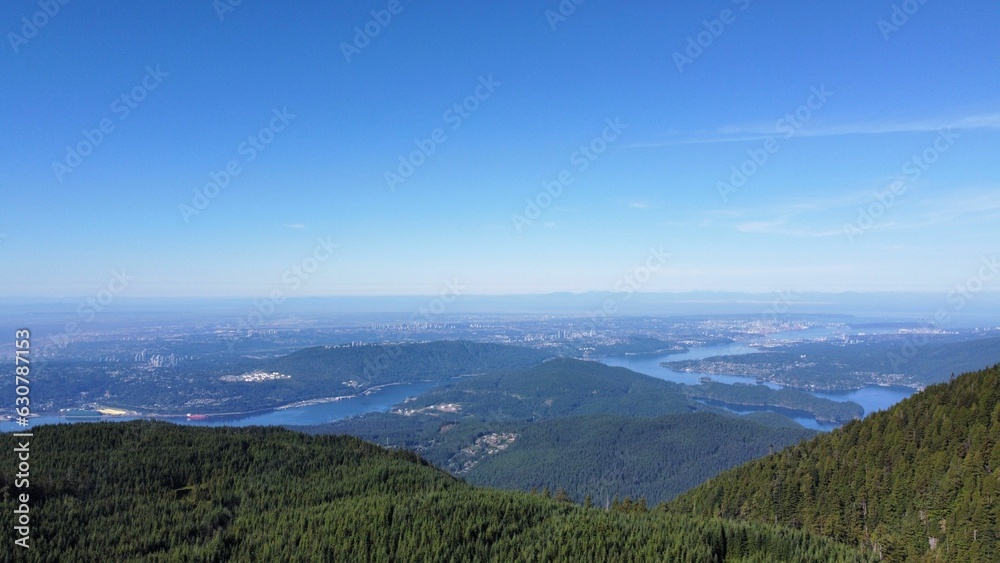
<point>378,401</point>
<point>873,397</point>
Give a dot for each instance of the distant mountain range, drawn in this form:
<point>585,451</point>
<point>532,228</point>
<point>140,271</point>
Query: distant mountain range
<point>910,305</point>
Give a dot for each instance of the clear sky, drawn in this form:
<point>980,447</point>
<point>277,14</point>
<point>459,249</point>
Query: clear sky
<point>646,110</point>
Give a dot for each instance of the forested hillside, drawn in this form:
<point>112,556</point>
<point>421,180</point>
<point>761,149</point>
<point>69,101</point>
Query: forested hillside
<point>607,456</point>
<point>322,372</point>
<point>148,492</point>
<point>580,426</point>
<point>823,410</point>
<point>920,481</point>
<point>444,420</point>
<point>379,364</point>
<point>563,387</point>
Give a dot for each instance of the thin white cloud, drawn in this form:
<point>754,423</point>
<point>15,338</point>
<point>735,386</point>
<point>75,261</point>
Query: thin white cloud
<point>759,226</point>
<point>757,132</point>
<point>780,227</point>
<point>821,218</point>
<point>638,205</point>
<point>727,212</point>
<point>830,216</point>
<point>967,202</point>
<point>966,206</point>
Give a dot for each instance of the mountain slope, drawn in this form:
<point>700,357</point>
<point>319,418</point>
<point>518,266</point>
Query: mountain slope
<point>609,456</point>
<point>920,481</point>
<point>584,427</point>
<point>322,372</point>
<point>149,492</point>
<point>562,387</point>
<point>762,396</point>
<point>400,363</point>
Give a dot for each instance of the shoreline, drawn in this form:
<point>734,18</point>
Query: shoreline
<point>909,386</point>
<point>211,415</point>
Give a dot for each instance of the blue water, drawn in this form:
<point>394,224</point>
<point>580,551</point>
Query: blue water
<point>650,364</point>
<point>379,401</point>
<point>873,398</point>
<point>802,418</point>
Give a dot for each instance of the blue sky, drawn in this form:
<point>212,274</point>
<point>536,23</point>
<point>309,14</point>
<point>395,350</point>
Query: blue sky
<point>694,88</point>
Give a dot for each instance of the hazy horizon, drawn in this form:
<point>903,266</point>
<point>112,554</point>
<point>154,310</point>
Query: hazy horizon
<point>940,310</point>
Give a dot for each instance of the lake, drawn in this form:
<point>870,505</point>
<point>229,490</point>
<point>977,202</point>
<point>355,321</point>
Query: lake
<point>378,401</point>
<point>872,398</point>
<point>650,364</point>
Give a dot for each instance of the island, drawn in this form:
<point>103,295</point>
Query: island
<point>741,394</point>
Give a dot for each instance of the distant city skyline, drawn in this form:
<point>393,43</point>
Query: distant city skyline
<point>397,148</point>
